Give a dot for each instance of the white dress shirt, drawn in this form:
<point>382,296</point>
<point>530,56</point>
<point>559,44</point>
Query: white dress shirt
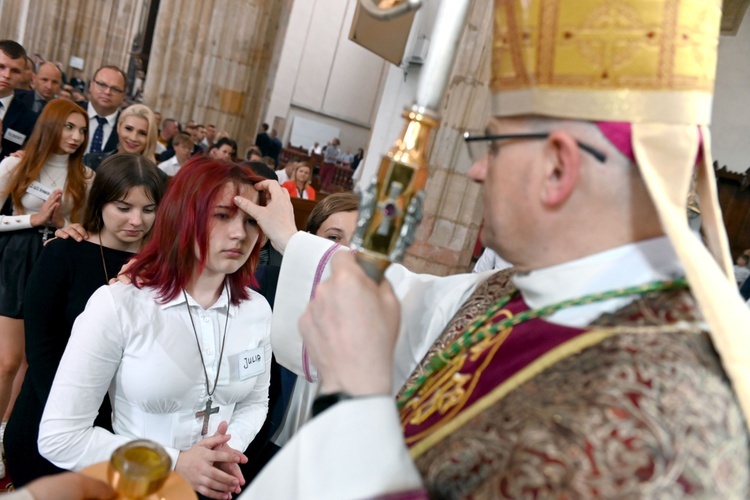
<point>145,354</point>
<point>282,175</point>
<point>5,101</point>
<point>170,166</point>
<point>93,125</point>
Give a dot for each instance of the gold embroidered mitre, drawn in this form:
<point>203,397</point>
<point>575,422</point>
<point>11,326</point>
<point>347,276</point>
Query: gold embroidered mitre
<point>612,60</point>
<point>650,64</point>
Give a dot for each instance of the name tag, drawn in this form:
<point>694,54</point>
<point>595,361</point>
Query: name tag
<point>252,363</point>
<point>39,190</point>
<point>14,136</point>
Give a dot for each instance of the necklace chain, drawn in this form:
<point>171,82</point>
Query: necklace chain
<point>104,264</point>
<point>55,179</point>
<point>479,330</point>
<point>209,391</point>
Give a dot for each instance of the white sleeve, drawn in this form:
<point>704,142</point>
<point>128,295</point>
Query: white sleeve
<point>10,222</point>
<point>427,305</point>
<point>305,264</point>
<point>67,437</point>
<point>353,450</point>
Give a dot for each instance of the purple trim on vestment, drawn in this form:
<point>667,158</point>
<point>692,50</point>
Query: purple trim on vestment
<point>316,281</point>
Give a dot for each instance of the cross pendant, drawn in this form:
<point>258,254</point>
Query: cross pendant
<point>206,414</point>
<point>45,233</point>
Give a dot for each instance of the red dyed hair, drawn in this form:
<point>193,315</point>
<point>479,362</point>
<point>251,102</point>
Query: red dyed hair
<point>168,260</point>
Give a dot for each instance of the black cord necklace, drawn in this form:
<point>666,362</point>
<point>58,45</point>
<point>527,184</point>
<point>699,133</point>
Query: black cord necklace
<point>104,265</point>
<point>206,413</point>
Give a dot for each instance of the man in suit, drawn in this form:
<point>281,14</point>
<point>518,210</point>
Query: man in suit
<point>47,84</point>
<point>106,93</point>
<point>275,146</point>
<point>263,141</point>
<point>16,116</point>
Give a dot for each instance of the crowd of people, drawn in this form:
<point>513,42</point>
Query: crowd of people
<point>610,360</point>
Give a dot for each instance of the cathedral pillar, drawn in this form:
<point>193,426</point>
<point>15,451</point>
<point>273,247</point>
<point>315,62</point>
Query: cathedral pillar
<point>211,61</point>
<point>98,31</point>
<point>445,240</point>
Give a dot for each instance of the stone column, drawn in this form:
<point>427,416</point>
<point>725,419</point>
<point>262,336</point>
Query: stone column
<point>453,207</point>
<point>99,31</point>
<point>211,61</point>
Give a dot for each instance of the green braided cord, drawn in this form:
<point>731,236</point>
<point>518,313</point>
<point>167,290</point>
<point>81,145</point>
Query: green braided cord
<point>477,332</point>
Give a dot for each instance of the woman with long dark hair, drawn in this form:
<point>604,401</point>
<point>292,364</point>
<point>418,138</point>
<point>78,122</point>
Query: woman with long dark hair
<point>41,191</point>
<point>184,350</point>
<point>118,216</point>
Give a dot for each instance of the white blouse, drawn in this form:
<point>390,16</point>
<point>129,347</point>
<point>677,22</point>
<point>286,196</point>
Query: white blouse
<point>145,354</point>
<point>54,175</point>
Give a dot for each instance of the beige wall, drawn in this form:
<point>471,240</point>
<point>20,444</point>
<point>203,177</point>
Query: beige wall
<point>324,76</point>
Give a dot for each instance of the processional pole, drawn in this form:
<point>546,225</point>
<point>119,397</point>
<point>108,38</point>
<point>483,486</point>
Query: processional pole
<point>390,206</point>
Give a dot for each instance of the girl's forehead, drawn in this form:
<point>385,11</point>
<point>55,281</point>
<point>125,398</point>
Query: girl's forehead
<point>231,190</point>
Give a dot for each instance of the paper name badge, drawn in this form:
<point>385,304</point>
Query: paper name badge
<point>252,363</point>
<point>39,190</point>
<point>13,136</point>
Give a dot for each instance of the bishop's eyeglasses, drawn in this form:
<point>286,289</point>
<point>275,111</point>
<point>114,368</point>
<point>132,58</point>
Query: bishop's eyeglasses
<point>478,148</point>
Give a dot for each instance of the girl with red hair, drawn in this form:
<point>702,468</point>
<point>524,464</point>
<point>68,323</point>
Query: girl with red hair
<point>184,350</point>
<point>39,192</point>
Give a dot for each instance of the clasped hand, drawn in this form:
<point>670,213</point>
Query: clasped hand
<point>211,466</point>
<point>50,211</point>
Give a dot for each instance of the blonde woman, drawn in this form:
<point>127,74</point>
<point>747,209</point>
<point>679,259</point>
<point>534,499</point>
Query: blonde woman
<point>299,185</point>
<point>137,130</point>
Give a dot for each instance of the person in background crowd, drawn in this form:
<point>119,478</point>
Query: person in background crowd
<point>208,141</point>
<point>263,141</point>
<point>107,91</point>
<point>741,270</point>
<point>275,147</point>
<point>285,174</point>
<point>136,131</point>
<point>47,85</point>
<point>315,149</point>
<point>328,169</point>
<point>169,129</point>
<point>16,114</point>
<point>65,93</point>
<point>224,149</point>
<point>299,186</point>
<point>357,159</point>
<point>28,75</point>
<point>44,189</point>
<point>253,154</point>
<point>183,148</point>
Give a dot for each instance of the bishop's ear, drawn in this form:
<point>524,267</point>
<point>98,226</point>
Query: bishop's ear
<point>562,170</point>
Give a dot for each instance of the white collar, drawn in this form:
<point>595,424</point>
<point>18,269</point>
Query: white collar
<point>628,265</point>
<point>92,113</point>
<point>6,102</point>
<point>221,302</point>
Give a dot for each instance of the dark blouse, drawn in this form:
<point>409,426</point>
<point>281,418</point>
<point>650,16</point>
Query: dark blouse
<point>63,279</point>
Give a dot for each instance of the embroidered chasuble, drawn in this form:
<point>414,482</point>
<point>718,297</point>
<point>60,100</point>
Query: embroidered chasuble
<point>615,409</point>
